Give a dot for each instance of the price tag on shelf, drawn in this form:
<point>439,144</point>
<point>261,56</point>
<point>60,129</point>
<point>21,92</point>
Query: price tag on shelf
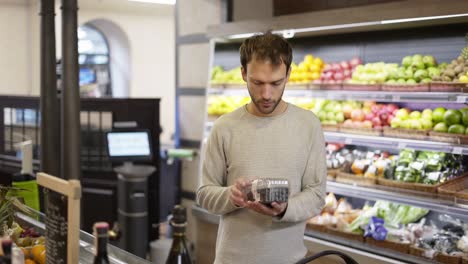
<point>401,145</point>
<point>457,150</point>
<point>462,99</point>
<point>348,141</point>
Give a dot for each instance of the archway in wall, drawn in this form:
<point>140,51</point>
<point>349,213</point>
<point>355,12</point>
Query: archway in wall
<point>119,55</point>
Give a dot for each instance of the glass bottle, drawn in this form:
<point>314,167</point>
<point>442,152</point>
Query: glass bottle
<point>100,232</point>
<point>179,253</point>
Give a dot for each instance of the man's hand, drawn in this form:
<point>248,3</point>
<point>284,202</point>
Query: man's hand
<point>238,196</point>
<point>276,209</point>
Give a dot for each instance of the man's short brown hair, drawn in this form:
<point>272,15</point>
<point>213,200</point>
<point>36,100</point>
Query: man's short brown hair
<point>266,47</point>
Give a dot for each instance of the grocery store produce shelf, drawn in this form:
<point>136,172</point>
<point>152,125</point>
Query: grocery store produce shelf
<point>336,240</point>
<point>394,143</point>
<point>381,96</point>
<point>438,203</point>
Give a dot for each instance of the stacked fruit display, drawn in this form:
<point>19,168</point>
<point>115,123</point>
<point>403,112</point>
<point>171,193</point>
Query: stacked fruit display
<point>31,243</point>
<point>307,70</point>
<point>339,72</point>
<point>407,119</point>
<point>415,69</point>
<point>334,112</point>
<point>219,105</point>
<point>220,76</point>
<point>450,120</point>
<point>456,71</point>
<point>372,73</point>
<point>372,115</point>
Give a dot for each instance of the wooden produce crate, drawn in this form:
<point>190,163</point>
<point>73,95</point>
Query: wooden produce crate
<point>361,87</point>
<point>406,87</point>
<point>448,137</point>
<point>421,187</point>
<point>405,133</point>
<point>347,235</point>
<point>331,174</point>
<point>418,252</point>
<point>330,128</point>
<point>349,178</point>
<point>387,244</point>
<point>362,131</point>
<point>446,259</point>
<point>316,227</point>
<point>331,86</point>
<point>465,260</point>
<point>448,87</point>
<point>457,187</point>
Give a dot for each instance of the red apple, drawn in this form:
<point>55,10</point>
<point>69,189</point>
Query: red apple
<point>376,121</point>
<point>348,123</point>
<point>355,61</point>
<point>391,107</point>
<point>335,67</point>
<point>347,110</point>
<point>338,76</point>
<point>367,124</point>
<point>369,116</point>
<point>326,67</point>
<point>347,73</point>
<point>390,118</point>
<point>345,65</point>
<point>368,103</point>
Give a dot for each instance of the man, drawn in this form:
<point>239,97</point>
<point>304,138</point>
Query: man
<point>265,138</point>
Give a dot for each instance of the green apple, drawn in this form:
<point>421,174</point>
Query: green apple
<point>401,81</point>
<point>433,72</point>
<point>330,116</point>
<point>441,127</point>
<point>418,65</point>
<point>339,117</point>
<point>466,131</point>
<point>438,114</point>
<point>426,123</point>
<point>426,80</point>
<point>427,114</point>
<point>409,73</point>
<point>415,115</point>
<point>417,57</point>
<point>411,81</point>
<point>322,115</point>
<point>406,61</point>
<point>429,61</point>
<point>415,124</point>
<point>421,74</point>
<point>464,112</point>
<point>396,122</point>
<point>402,113</point>
<point>406,124</point>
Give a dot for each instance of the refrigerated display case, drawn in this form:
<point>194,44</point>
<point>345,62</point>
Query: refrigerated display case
<point>377,44</point>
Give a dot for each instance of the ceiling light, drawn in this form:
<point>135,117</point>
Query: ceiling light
<point>391,21</point>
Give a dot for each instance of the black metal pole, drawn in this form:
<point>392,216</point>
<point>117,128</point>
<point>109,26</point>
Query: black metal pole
<point>71,147</point>
<point>49,107</point>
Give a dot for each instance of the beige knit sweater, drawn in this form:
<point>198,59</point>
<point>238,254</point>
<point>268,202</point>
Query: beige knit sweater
<point>290,145</point>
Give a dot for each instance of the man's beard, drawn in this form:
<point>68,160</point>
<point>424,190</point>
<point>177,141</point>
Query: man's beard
<point>258,103</point>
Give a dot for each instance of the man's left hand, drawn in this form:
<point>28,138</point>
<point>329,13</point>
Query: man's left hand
<point>276,209</point>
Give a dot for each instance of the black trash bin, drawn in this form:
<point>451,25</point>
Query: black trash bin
<point>132,191</point>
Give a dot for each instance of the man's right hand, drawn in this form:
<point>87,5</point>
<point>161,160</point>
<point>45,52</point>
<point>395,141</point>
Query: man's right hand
<point>238,196</point>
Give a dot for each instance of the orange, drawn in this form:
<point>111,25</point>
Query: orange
<point>29,261</point>
<point>26,252</point>
<point>42,257</point>
<point>37,251</point>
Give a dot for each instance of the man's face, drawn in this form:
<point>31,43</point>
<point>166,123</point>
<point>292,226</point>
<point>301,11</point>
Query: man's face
<point>265,83</point>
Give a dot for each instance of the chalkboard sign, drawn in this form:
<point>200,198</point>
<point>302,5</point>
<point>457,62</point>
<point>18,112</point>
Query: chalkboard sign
<point>62,209</point>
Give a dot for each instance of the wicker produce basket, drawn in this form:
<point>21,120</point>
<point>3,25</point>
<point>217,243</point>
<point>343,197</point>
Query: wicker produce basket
<point>405,133</point>
<point>349,178</point>
<point>400,247</point>
<point>362,131</point>
<point>406,87</point>
<point>347,235</point>
<point>448,87</point>
<point>361,87</point>
<point>448,137</point>
<point>443,258</point>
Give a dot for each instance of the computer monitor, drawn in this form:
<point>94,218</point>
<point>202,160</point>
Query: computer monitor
<point>129,145</point>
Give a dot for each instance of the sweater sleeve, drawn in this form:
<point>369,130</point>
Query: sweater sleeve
<point>311,199</point>
<point>213,194</point>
